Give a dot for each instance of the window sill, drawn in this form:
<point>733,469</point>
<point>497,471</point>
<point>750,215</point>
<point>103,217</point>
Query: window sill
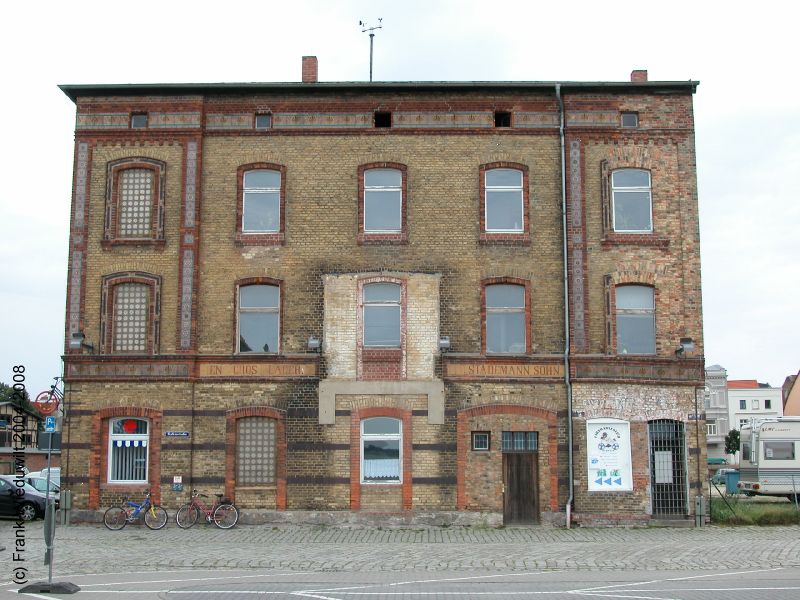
<point>111,243</point>
<point>381,239</point>
<point>260,239</point>
<point>504,239</point>
<point>634,239</point>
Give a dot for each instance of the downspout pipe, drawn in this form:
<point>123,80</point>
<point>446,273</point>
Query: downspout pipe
<point>564,236</point>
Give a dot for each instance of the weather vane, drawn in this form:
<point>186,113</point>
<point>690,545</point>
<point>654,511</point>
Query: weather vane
<point>371,37</point>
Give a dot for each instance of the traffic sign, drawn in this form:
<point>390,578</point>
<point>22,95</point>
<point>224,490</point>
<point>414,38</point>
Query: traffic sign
<point>50,424</point>
<point>47,403</point>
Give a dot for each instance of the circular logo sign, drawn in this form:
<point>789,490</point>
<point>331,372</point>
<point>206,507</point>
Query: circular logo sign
<point>47,403</point>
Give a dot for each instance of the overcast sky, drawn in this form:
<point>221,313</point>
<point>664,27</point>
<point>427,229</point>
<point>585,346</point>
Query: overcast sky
<point>747,117</point>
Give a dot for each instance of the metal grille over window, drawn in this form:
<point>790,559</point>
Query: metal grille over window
<point>383,200</point>
<point>261,210</point>
<point>504,211</point>
<point>136,201</point>
<point>630,191</point>
<point>636,323</point>
<point>505,319</point>
<point>520,441</point>
<point>128,442</point>
<point>130,317</point>
<point>668,467</point>
<point>255,451</point>
<point>382,315</point>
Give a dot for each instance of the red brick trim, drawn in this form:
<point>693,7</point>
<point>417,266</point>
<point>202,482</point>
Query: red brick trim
<point>245,281</point>
<point>509,281</point>
<point>367,238</point>
<point>114,171</point>
<point>231,417</point>
<point>260,239</point>
<point>358,415</point>
<point>110,282</point>
<point>522,238</point>
<point>375,362</point>
<point>98,459</point>
<point>463,444</point>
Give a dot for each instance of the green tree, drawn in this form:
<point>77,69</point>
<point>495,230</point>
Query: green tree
<point>732,441</point>
<point>9,394</point>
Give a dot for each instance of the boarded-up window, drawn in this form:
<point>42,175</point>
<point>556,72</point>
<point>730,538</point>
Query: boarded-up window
<point>255,451</point>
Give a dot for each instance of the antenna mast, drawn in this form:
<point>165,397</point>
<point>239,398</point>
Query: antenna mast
<point>371,38</point>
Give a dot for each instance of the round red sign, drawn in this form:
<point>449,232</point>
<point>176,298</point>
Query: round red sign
<point>47,403</point>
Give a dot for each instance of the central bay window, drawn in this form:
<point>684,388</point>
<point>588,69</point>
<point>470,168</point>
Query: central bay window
<point>128,442</point>
<point>383,201</point>
<point>259,318</point>
<point>382,321</point>
<point>504,208</point>
<point>635,319</point>
<point>506,327</point>
<point>631,201</point>
<point>261,203</point>
<point>381,450</point>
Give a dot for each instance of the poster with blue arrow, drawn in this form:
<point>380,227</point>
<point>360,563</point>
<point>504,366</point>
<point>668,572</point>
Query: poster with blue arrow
<point>609,455</point>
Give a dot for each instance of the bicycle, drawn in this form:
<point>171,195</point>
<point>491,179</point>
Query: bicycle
<point>221,513</point>
<point>116,517</point>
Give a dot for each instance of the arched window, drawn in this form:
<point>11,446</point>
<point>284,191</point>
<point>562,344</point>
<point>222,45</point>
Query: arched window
<point>636,319</point>
<point>631,201</point>
<point>505,319</point>
<point>259,318</point>
<point>381,450</point>
<point>382,320</point>
<point>134,201</point>
<point>128,442</point>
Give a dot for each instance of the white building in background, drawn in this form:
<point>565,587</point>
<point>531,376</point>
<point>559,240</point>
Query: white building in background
<point>748,400</point>
<point>716,408</point>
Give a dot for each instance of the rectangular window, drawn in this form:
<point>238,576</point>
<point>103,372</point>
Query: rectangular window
<point>630,120</point>
<point>139,121</point>
<point>261,206</point>
<point>711,428</point>
<point>636,326</point>
<point>742,423</point>
<point>381,450</point>
<point>746,451</point>
<point>135,203</point>
<point>127,453</point>
<point>632,201</point>
<point>259,318</point>
<point>382,315</point>
<point>131,307</point>
<point>383,119</point>
<point>480,440</point>
<point>502,119</point>
<point>755,404</point>
<point>767,404</point>
<point>383,201</point>
<point>742,404</point>
<point>505,319</point>
<point>778,450</point>
<point>520,441</point>
<point>255,451</point>
<point>263,121</point>
<point>504,210</point>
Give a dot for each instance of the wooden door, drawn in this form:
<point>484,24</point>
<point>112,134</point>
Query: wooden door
<point>521,485</point>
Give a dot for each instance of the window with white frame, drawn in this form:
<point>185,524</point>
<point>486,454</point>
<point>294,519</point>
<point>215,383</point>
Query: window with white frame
<point>383,201</point>
<point>128,441</point>
<point>783,450</point>
<point>480,440</point>
<point>755,404</point>
<point>256,451</point>
<point>743,422</point>
<point>636,323</point>
<point>382,315</point>
<point>381,450</point>
<point>505,319</point>
<point>504,209</point>
<point>259,318</point>
<point>519,441</point>
<point>711,428</point>
<point>632,201</point>
<point>261,203</point>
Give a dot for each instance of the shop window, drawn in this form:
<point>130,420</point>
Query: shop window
<point>635,319</point>
<point>256,451</point>
<point>259,318</point>
<point>381,450</point>
<point>520,441</point>
<point>128,443</point>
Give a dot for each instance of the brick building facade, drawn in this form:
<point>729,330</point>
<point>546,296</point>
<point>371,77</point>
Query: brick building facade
<point>352,297</point>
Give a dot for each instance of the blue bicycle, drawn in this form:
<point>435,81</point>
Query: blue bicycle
<point>155,517</point>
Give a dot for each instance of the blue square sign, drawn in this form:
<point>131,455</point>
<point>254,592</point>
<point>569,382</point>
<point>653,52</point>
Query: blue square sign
<point>49,424</point>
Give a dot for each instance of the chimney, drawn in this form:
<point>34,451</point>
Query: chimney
<point>310,69</point>
<point>637,75</point>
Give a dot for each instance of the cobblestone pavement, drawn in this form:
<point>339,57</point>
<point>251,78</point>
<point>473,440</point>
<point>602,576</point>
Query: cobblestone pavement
<point>93,549</point>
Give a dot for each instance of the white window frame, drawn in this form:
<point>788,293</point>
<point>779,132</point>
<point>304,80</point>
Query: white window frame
<point>380,437</point>
<point>628,113</point>
<point>382,303</point>
<point>379,189</point>
<point>481,434</point>
<point>711,428</point>
<point>506,310</point>
<point>256,309</point>
<point>743,422</point>
<point>128,440</point>
<point>504,188</point>
<point>637,311</point>
<point>756,404</point>
<point>622,189</point>
<point>261,190</point>
<point>268,117</point>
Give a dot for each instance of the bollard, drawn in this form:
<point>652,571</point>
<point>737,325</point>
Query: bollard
<point>699,510</point>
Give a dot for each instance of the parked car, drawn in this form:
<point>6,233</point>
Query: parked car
<point>27,507</point>
<point>55,475</point>
<point>40,485</point>
<point>719,476</point>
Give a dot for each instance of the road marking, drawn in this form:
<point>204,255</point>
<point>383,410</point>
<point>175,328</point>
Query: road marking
<point>618,585</point>
<point>200,579</point>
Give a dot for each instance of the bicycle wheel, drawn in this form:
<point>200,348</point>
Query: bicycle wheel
<point>226,516</point>
<point>115,518</point>
<point>186,516</point>
<point>155,517</point>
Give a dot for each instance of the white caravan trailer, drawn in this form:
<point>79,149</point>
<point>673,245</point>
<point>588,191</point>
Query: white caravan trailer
<point>769,461</point>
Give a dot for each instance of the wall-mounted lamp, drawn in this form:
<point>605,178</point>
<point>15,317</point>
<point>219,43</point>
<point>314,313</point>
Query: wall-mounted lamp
<point>686,345</point>
<point>314,344</point>
<point>444,343</point>
<point>77,341</point>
